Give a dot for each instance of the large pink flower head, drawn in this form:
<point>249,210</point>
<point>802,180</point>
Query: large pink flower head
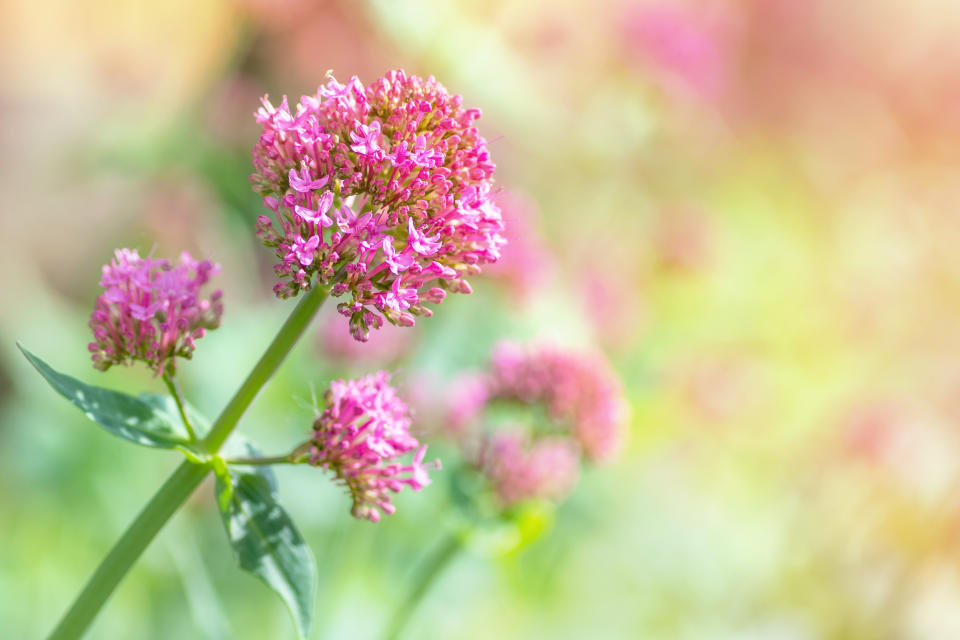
<point>383,192</point>
<point>151,310</point>
<point>360,435</point>
<point>581,393</point>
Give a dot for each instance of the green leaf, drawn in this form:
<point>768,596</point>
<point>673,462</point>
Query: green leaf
<point>122,415</point>
<point>265,541</point>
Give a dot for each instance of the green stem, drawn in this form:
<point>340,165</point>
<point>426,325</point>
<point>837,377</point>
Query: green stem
<point>294,457</point>
<point>426,575</point>
<point>184,480</point>
<point>288,335</point>
<point>175,392</point>
<point>260,461</point>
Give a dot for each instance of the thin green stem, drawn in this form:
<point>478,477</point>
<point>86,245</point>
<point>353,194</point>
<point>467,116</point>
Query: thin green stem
<point>428,572</point>
<point>294,457</point>
<point>184,480</point>
<point>265,460</point>
<point>175,392</point>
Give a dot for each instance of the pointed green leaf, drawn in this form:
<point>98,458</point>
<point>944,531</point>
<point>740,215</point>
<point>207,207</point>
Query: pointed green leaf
<point>266,542</point>
<point>122,415</point>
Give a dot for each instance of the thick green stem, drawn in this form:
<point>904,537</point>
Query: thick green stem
<point>184,480</point>
<point>426,575</point>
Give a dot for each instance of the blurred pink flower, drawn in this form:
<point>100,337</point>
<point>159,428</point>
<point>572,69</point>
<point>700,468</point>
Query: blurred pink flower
<point>402,163</point>
<point>466,400</point>
<point>580,391</point>
<point>519,469</point>
<point>585,411</point>
<point>151,310</point>
<point>685,43</point>
<point>358,437</point>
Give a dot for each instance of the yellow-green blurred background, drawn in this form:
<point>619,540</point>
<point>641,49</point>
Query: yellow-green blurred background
<point>753,207</point>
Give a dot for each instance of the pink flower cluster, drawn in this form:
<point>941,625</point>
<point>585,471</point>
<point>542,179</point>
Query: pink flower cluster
<point>585,410</point>
<point>363,430</point>
<point>383,192</point>
<point>581,393</point>
<point>151,310</point>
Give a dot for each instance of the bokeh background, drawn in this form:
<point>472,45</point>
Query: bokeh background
<point>753,207</point>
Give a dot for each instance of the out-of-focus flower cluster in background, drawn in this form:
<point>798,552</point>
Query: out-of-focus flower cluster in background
<point>752,207</point>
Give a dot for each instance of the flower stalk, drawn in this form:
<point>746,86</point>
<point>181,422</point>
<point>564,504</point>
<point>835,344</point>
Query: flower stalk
<point>175,392</point>
<point>297,456</point>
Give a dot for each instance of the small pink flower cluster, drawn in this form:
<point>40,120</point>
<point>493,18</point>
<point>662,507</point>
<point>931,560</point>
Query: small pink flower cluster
<point>584,405</point>
<point>151,310</point>
<point>383,192</point>
<point>364,427</point>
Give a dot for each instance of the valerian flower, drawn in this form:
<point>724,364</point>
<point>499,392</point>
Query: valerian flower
<point>359,438</point>
<point>382,192</point>
<point>151,310</point>
<point>575,410</point>
<point>580,392</point>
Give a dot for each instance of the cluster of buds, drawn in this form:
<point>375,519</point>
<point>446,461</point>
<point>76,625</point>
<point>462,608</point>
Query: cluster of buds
<point>151,311</point>
<point>359,437</point>
<point>383,192</point>
<point>584,408</point>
